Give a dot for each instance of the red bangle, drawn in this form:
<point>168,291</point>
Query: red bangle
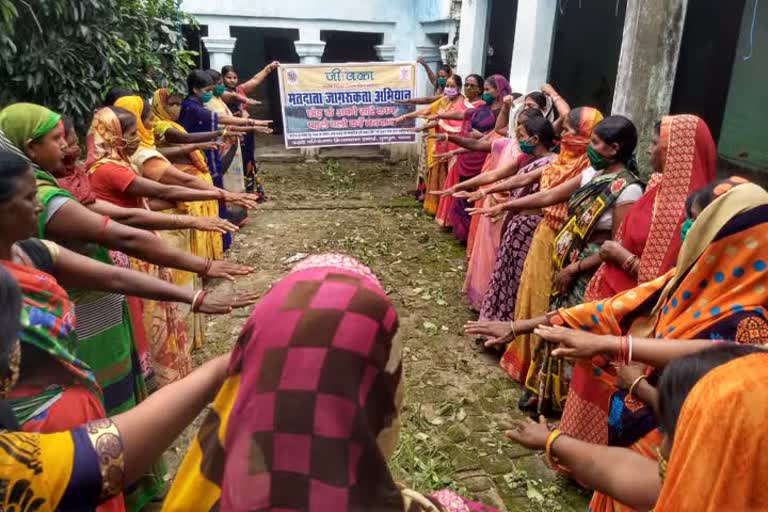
<point>197,301</point>
<point>103,229</point>
<point>208,265</point>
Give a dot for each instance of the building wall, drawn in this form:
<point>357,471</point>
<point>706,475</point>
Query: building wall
<point>743,136</point>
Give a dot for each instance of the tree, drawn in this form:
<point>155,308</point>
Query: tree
<point>65,54</point>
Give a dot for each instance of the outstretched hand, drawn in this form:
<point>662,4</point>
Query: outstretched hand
<point>220,304</point>
<point>227,270</point>
<point>574,344</point>
<point>529,433</point>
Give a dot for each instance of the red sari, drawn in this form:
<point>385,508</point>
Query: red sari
<point>651,230</point>
<point>451,127</point>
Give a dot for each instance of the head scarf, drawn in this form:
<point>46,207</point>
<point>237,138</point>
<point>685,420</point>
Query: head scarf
<point>571,160</point>
<point>310,412</point>
<point>163,121</point>
<point>718,456</point>
<point>22,122</point>
<point>135,105</point>
<point>104,138</point>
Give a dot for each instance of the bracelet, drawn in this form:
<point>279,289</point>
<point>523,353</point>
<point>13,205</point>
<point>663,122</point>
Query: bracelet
<point>629,352</point>
<point>551,438</point>
<point>483,192</point>
<point>556,98</point>
<point>208,265</point>
<point>103,228</point>
<point>197,301</point>
<point>445,135</point>
<point>224,132</point>
<point>634,385</point>
<point>621,353</point>
<point>512,326</point>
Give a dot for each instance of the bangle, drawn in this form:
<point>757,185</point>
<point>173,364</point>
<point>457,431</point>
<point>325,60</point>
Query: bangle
<point>103,228</point>
<point>512,326</point>
<point>555,98</point>
<point>622,352</point>
<point>222,194</point>
<point>629,352</point>
<point>634,385</point>
<point>483,192</point>
<point>207,268</point>
<point>224,132</point>
<point>551,438</point>
<point>197,301</point>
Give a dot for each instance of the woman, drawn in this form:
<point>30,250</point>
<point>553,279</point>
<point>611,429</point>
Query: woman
<point>271,454</point>
<point>646,247</point>
<point>716,292</point>
<point>236,105</point>
<point>86,466</point>
<point>57,390</point>
<point>469,164</point>
<point>195,118</point>
<point>535,138</point>
<point>452,101</point>
<point>234,178</point>
<point>535,285</point>
<point>704,398</point>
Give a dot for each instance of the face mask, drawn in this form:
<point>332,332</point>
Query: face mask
<point>598,161</point>
<point>131,145</point>
<point>218,90</point>
<point>526,146</point>
<point>207,96</point>
<point>450,91</point>
<point>441,82</point>
<point>687,223</point>
<point>488,98</point>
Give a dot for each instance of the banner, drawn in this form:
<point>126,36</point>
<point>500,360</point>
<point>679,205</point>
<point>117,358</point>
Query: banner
<point>345,104</point>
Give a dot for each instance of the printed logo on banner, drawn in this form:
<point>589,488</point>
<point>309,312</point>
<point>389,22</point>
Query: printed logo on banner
<point>292,76</point>
<point>405,73</point>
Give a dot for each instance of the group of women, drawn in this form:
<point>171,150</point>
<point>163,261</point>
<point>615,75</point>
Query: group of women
<point>585,275</point>
<point>111,252</point>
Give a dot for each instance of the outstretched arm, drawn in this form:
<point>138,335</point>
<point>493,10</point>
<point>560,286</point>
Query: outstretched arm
<point>147,219</point>
<point>540,199</point>
<point>560,104</point>
<point>259,77</point>
<point>430,74</point>
<point>176,136</point>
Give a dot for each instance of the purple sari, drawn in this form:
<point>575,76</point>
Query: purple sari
<point>499,301</point>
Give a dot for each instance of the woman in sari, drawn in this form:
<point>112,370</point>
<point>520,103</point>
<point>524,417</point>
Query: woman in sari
<point>469,164</point>
<point>682,154</point>
<point>309,413</point>
<point>85,466</point>
<point>705,398</point>
<point>57,389</point>
<point>236,105</point>
<point>716,292</point>
<point>451,101</point>
<point>535,285</point>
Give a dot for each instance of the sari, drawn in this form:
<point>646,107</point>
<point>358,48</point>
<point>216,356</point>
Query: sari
<point>437,172</point>
<point>310,411</point>
<point>195,118</point>
<point>499,300</point>
<point>171,357</point>
<point>650,230</point>
<point>205,244</point>
<point>717,291</point>
<point>536,279</point>
<point>548,377</point>
<point>147,160</point>
<point>48,326</point>
<point>711,467</point>
<point>234,177</point>
<point>253,184</point>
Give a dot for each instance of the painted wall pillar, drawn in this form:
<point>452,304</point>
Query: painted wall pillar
<point>220,45</point>
<point>310,50</point>
<point>386,52</point>
<point>653,31</point>
<point>431,54</point>
<point>534,39</point>
<point>473,37</point>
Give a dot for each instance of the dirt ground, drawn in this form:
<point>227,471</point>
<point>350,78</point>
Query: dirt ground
<point>458,400</point>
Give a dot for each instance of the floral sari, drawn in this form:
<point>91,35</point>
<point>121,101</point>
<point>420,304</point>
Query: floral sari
<point>650,230</point>
<point>717,291</point>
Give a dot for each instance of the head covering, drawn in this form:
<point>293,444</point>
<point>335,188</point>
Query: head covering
<point>571,160</point>
<point>163,121</point>
<point>104,138</point>
<point>718,457</point>
<point>22,122</point>
<point>135,105</point>
<point>310,412</point>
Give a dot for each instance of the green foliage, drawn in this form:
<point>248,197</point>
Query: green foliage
<point>65,54</point>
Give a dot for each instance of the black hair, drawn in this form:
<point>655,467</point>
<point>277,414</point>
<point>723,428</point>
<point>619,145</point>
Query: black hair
<point>574,117</point>
<point>198,79</point>
<point>10,314</point>
<point>146,110</point>
<point>127,119</point>
<point>12,167</point>
<point>227,69</point>
<point>541,128</point>
<point>68,122</point>
<point>516,95</point>
<point>529,113</point>
<point>447,69</point>
<point>682,374</point>
<point>456,80</point>
<point>619,130</point>
<point>116,93</point>
<point>539,97</point>
<point>215,75</point>
<point>703,196</point>
<point>476,77</point>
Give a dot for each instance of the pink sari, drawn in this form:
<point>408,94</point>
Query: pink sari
<point>485,237</point>
<point>454,127</point>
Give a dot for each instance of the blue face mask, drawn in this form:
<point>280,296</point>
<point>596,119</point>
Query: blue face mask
<point>218,90</point>
<point>687,223</point>
<point>207,96</point>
